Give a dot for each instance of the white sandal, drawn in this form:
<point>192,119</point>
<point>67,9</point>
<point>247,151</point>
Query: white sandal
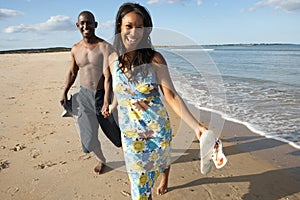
<point>207,143</point>
<point>218,156</point>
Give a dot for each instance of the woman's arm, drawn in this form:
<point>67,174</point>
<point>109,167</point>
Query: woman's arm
<point>171,95</point>
<point>113,105</point>
<point>112,62</point>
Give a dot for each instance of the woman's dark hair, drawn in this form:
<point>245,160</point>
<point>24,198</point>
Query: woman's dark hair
<point>145,51</point>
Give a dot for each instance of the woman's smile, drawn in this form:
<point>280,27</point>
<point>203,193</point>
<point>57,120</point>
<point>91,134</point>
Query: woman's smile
<point>132,30</point>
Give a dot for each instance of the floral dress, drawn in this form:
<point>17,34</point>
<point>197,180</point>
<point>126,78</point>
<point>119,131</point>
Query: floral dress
<point>145,128</point>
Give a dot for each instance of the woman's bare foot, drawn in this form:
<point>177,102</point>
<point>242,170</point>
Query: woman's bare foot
<point>163,186</point>
<point>98,169</point>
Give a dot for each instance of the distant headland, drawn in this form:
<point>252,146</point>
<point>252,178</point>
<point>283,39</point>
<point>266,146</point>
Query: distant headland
<point>40,50</point>
<point>215,45</point>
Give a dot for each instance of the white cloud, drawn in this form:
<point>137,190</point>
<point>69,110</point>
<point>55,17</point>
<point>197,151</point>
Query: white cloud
<point>107,24</point>
<point>286,5</point>
<point>54,24</point>
<point>153,1</point>
<point>7,13</point>
<point>199,2</point>
<point>176,1</point>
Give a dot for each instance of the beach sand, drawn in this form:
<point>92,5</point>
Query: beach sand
<point>41,158</point>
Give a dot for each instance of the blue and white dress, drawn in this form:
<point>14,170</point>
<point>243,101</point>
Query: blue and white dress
<point>145,128</point>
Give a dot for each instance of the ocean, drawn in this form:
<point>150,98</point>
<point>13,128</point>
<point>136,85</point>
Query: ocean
<point>256,85</point>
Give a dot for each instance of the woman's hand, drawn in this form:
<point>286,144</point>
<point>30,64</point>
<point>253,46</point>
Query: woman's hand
<point>111,108</point>
<point>199,130</point>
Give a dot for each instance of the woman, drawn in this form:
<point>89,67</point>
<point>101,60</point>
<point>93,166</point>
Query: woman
<point>138,73</point>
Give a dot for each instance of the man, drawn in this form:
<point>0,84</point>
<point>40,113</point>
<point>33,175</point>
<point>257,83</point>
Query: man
<point>90,59</point>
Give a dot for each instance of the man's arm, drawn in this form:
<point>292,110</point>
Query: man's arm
<point>107,79</point>
<point>107,89</point>
<point>70,78</point>
<point>111,62</point>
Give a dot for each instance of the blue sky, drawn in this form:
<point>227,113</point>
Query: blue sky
<point>51,23</point>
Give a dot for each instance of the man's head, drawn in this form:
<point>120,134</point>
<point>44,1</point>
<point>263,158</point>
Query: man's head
<point>86,24</point>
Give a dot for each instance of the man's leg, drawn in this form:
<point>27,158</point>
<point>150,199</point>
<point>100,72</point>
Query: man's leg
<point>88,125</point>
<point>100,157</point>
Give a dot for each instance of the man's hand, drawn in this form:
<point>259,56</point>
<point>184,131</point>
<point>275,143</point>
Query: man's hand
<point>105,110</point>
<point>64,99</point>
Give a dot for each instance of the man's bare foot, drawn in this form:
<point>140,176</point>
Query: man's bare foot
<point>163,186</point>
<point>99,168</point>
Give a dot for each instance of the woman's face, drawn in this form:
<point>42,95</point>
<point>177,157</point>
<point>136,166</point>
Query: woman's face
<point>132,30</point>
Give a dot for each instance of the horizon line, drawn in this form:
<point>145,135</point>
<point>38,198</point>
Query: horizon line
<point>61,49</point>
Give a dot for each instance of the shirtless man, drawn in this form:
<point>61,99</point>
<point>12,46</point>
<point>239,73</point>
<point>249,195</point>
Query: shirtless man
<point>90,59</point>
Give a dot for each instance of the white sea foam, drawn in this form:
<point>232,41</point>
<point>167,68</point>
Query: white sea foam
<point>195,50</point>
<point>250,127</point>
<point>260,90</point>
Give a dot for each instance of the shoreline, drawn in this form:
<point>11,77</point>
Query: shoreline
<point>251,128</point>
<point>44,159</point>
<point>64,49</point>
<point>278,153</point>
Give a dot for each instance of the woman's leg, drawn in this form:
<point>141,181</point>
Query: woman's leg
<point>163,186</point>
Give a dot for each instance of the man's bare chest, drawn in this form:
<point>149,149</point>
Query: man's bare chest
<point>89,58</point>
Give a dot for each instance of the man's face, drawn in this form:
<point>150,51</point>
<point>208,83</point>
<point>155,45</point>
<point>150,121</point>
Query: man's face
<point>86,25</point>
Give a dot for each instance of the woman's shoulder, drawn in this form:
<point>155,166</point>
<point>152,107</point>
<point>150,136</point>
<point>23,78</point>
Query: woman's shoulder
<point>112,58</point>
<point>158,62</point>
<point>158,58</point>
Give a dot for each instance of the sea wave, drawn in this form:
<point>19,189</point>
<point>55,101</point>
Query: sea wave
<point>256,89</point>
<point>194,50</point>
<point>251,127</point>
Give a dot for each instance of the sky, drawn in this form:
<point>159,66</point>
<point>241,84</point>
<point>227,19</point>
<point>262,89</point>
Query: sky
<point>26,24</point>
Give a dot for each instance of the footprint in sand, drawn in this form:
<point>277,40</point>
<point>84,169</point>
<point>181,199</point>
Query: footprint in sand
<point>4,164</point>
<point>125,193</point>
<point>18,147</point>
<point>49,164</point>
<point>45,165</point>
<point>34,153</point>
<point>13,190</point>
<point>85,157</point>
